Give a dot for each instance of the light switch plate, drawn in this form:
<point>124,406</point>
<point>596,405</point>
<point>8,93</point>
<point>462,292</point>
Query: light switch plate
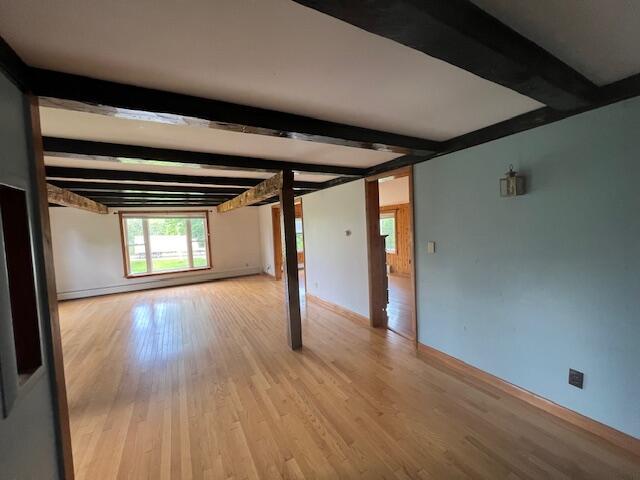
<point>431,247</point>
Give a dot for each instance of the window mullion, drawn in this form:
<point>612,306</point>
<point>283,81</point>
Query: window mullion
<point>189,242</point>
<point>147,244</point>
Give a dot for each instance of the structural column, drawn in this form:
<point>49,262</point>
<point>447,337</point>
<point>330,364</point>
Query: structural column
<point>376,257</point>
<point>292,291</point>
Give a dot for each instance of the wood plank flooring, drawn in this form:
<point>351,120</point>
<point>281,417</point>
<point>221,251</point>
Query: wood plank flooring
<point>400,307</point>
<point>197,382</point>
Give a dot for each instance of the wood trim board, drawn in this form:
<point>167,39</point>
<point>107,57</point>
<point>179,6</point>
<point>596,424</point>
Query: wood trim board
<point>616,437</point>
<point>340,310</point>
<point>57,363</point>
<point>377,276</point>
<point>277,242</point>
<point>400,260</point>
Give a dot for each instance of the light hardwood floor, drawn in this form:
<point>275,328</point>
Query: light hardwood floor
<point>198,382</point>
<point>400,307</point>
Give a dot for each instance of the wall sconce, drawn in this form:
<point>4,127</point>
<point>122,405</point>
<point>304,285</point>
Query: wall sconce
<point>511,184</point>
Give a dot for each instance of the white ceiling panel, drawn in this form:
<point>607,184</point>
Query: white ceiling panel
<point>156,167</point>
<point>267,53</point>
<point>90,126</point>
<point>598,38</point>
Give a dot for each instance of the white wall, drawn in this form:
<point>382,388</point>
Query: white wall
<point>394,192</point>
<point>266,239</point>
<point>337,268</point>
<point>88,255</point>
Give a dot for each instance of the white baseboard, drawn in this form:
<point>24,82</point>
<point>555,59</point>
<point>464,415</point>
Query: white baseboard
<point>157,283</point>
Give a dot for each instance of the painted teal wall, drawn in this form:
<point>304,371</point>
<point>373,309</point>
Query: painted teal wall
<point>525,288</point>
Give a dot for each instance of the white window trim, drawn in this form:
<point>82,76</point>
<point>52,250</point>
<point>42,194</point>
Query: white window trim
<point>145,216</point>
<point>393,215</point>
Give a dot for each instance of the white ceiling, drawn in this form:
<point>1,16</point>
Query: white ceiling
<point>196,170</point>
<point>268,53</point>
<point>56,122</point>
<point>277,54</point>
<point>599,38</point>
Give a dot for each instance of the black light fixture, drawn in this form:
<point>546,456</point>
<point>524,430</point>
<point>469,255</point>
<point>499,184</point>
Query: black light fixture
<point>512,184</point>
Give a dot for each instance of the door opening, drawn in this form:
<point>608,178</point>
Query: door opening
<point>278,247</point>
<point>390,236</point>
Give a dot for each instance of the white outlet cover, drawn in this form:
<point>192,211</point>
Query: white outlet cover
<point>431,247</point>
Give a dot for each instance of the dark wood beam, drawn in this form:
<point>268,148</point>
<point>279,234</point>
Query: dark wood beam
<point>135,198</point>
<point>60,196</point>
<point>13,66</point>
<point>126,175</point>
<point>461,34</point>
<point>72,147</point>
<point>264,190</point>
<point>154,195</point>
<point>122,202</point>
<point>161,205</point>
<point>292,287</point>
<point>103,97</point>
<point>77,186</point>
<point>170,203</point>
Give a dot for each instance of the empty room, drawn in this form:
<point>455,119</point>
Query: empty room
<point>305,239</point>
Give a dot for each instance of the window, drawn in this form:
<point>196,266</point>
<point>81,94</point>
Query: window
<point>299,237</point>
<point>388,228</point>
<point>156,243</point>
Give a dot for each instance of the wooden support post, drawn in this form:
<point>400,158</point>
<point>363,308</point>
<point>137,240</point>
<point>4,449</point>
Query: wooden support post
<point>292,289</point>
<point>60,196</point>
<point>376,256</point>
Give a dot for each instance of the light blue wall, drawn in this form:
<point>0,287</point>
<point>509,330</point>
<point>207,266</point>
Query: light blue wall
<point>527,287</point>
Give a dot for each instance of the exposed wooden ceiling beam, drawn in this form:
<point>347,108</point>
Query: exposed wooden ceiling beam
<point>155,195</point>
<point>60,196</point>
<point>81,187</point>
<point>111,98</point>
<point>127,175</point>
<point>461,34</point>
<point>71,147</point>
<point>130,203</point>
<point>107,199</point>
<point>269,188</point>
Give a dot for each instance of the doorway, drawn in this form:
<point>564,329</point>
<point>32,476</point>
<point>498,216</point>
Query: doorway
<point>278,248</point>
<point>390,236</point>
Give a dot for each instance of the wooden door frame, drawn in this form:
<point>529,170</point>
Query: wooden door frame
<point>54,349</point>
<point>304,249</point>
<point>277,242</point>
<point>372,204</point>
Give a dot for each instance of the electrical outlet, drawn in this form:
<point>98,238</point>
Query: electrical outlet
<point>576,378</point>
